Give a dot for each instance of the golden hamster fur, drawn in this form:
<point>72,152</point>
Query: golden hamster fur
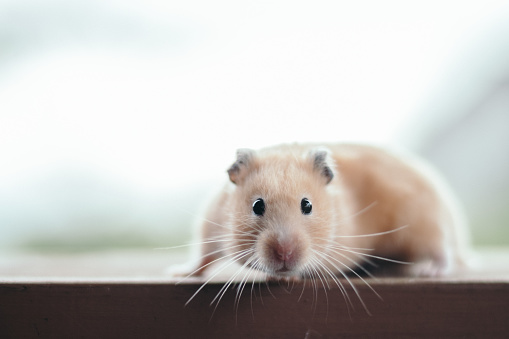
<point>298,211</point>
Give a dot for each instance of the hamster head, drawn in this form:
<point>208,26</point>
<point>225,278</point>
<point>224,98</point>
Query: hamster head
<point>282,209</point>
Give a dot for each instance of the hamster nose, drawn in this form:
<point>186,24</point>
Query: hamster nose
<point>284,252</point>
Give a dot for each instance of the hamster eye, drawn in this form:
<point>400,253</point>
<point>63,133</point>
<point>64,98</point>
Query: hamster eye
<point>305,206</point>
<point>259,207</point>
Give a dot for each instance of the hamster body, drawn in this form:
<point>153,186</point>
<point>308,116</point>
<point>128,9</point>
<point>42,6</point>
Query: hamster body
<point>295,211</point>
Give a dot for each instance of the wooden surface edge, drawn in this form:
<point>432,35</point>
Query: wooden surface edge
<point>134,310</point>
<point>127,295</point>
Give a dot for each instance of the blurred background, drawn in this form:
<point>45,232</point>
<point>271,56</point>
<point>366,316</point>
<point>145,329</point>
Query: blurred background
<point>118,118</point>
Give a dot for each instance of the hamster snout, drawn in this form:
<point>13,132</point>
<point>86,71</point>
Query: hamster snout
<point>282,251</point>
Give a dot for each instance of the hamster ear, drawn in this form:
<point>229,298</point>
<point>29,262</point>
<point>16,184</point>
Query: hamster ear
<point>323,163</point>
<point>239,167</point>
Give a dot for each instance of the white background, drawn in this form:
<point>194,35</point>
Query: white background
<point>116,117</point>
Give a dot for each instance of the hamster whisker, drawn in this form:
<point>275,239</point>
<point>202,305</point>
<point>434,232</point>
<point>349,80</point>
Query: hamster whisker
<point>240,289</point>
<point>317,269</point>
<point>303,289</point>
<point>360,212</point>
<point>355,263</point>
<point>309,273</point>
<point>223,226</point>
<point>243,237</point>
<point>224,288</point>
<point>212,262</point>
<point>236,256</point>
<point>332,247</point>
<point>376,257</point>
<point>202,218</point>
<point>350,269</point>
<point>314,279</point>
<point>229,234</point>
<point>193,244</point>
<point>326,257</point>
<point>342,289</point>
<point>245,278</point>
<point>228,238</point>
<point>346,247</point>
<point>253,289</point>
<point>366,260</point>
<point>221,250</point>
<point>371,234</point>
<point>253,268</point>
<point>339,246</point>
<point>230,281</point>
<point>318,264</point>
<point>246,221</point>
<point>239,232</point>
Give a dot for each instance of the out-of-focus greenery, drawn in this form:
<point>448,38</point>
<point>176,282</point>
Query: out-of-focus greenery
<point>492,230</point>
<point>106,242</point>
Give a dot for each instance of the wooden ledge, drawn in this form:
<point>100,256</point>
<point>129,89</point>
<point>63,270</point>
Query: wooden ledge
<point>126,295</point>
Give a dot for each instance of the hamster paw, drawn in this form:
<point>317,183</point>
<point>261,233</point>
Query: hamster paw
<point>428,268</point>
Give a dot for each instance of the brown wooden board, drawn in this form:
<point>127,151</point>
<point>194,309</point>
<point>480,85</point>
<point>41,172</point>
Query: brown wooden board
<point>129,306</point>
<point>144,310</point>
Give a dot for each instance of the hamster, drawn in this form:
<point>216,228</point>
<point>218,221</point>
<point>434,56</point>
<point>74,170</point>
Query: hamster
<point>301,210</point>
